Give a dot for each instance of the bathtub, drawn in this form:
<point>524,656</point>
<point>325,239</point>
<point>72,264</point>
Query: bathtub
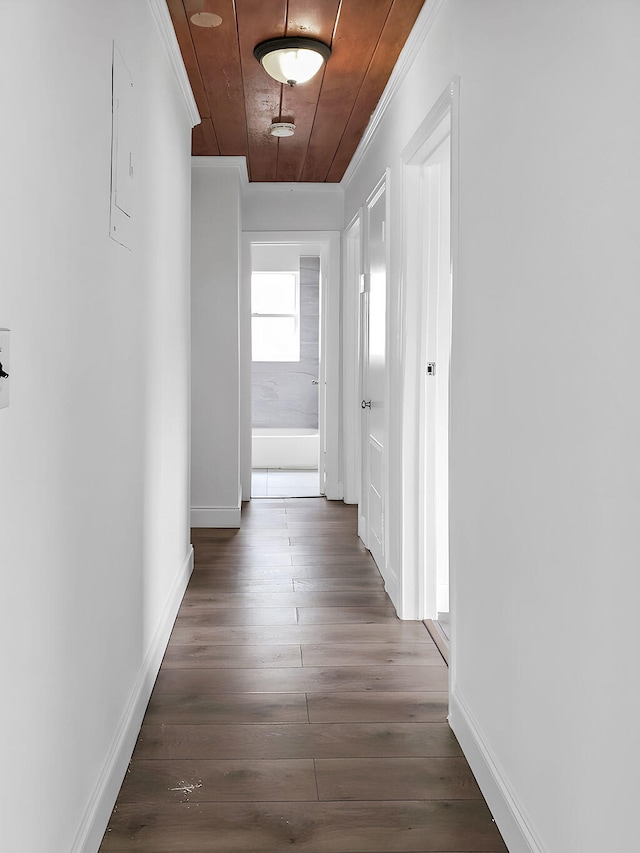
<point>285,448</point>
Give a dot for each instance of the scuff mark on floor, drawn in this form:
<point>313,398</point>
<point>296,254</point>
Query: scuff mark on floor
<point>186,788</point>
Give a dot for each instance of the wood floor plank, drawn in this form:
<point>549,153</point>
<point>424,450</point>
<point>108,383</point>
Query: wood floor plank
<point>304,680</point>
<point>203,580</point>
<point>246,565</point>
<point>195,613</point>
<point>231,570</point>
<point>439,826</point>
<point>378,707</point>
<point>333,560</point>
<point>341,584</point>
<point>373,598</point>
<point>187,709</point>
<point>335,615</point>
<point>201,780</point>
<point>366,632</point>
<point>236,657</point>
<point>276,547</point>
<point>431,778</point>
<point>339,549</point>
<point>296,740</point>
<point>321,541</point>
<point>263,534</point>
<point>267,558</point>
<point>371,654</point>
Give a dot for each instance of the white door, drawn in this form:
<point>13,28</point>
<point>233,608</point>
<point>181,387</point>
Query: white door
<point>373,361</point>
<point>436,177</point>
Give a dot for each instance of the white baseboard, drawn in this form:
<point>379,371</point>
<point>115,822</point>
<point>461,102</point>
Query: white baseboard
<point>510,817</point>
<point>98,811</point>
<point>334,491</point>
<point>215,516</point>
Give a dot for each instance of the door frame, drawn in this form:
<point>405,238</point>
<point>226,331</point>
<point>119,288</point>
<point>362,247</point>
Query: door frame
<point>433,482</point>
<point>325,244</point>
<point>351,381</point>
<point>441,122</point>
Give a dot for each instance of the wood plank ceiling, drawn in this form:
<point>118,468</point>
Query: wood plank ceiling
<point>237,99</point>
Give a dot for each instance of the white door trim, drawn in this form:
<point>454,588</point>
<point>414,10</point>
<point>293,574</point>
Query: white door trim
<point>351,380</point>
<point>440,123</point>
<point>326,244</point>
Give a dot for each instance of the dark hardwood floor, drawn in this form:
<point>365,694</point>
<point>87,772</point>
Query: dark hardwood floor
<point>294,710</point>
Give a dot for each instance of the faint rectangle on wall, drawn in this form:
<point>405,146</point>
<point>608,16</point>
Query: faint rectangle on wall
<point>122,148</point>
<point>283,394</point>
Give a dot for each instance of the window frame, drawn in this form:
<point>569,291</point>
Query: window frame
<point>279,314</point>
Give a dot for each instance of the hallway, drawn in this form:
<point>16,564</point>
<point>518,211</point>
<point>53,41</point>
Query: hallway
<point>294,710</point>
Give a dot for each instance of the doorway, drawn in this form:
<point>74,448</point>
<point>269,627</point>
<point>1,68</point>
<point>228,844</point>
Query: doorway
<point>285,335</point>
<point>313,257</point>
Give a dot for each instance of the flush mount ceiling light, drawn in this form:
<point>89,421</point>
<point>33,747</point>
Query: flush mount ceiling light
<point>292,60</point>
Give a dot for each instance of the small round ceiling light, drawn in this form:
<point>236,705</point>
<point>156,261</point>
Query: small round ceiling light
<point>282,128</point>
<point>292,60</point>
<point>206,19</point>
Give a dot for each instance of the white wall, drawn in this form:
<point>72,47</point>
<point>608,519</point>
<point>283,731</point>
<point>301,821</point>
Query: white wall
<point>293,207</point>
<point>545,494</point>
<point>94,543</point>
<point>215,460</point>
<point>275,258</point>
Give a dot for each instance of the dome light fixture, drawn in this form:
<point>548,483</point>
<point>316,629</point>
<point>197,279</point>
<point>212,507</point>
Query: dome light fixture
<point>292,60</point>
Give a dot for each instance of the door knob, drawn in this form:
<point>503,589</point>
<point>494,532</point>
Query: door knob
<point>315,382</point>
<point>366,404</point>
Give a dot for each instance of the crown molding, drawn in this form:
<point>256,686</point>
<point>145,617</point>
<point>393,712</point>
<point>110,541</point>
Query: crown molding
<point>219,162</point>
<point>417,36</point>
<point>161,16</point>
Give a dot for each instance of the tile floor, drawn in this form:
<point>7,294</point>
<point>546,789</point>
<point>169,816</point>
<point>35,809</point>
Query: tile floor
<point>279,483</point>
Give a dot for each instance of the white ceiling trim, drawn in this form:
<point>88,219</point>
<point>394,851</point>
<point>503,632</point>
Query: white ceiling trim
<point>217,161</point>
<point>161,16</point>
<point>295,187</point>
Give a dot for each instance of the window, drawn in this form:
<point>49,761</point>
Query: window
<point>275,316</point>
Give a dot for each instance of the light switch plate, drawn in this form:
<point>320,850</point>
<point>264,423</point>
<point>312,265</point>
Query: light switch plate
<point>6,363</point>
